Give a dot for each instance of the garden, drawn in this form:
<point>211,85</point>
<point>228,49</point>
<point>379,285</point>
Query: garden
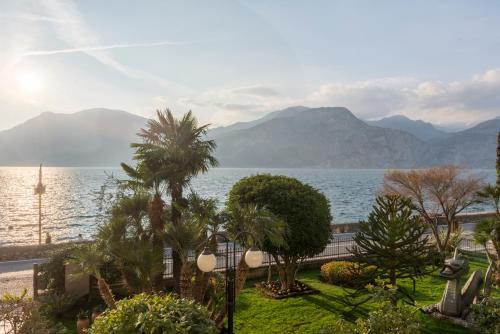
<point>404,271</point>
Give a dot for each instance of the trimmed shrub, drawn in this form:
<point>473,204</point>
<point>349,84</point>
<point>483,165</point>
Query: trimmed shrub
<point>304,209</point>
<point>145,313</point>
<point>346,273</point>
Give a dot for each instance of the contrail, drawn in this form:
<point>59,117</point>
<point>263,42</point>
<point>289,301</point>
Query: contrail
<point>100,48</point>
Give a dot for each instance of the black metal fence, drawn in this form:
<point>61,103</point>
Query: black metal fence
<point>338,248</point>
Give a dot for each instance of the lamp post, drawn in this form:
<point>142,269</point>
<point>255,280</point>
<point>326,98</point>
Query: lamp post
<point>40,190</point>
<point>207,261</point>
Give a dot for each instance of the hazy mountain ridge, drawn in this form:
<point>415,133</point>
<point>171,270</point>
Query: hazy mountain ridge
<point>295,137</point>
<point>94,137</point>
<point>420,129</point>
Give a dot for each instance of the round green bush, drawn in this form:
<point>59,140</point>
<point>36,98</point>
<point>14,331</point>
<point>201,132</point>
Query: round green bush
<point>346,273</point>
<point>305,210</point>
<point>155,314</point>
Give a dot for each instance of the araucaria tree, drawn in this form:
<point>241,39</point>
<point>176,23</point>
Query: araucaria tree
<point>304,210</point>
<point>393,241</point>
<point>172,152</point>
<point>438,193</point>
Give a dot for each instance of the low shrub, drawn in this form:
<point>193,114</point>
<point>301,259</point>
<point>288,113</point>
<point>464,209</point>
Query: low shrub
<point>345,273</point>
<point>145,313</point>
<point>22,314</point>
<point>384,320</point>
<point>486,316</point>
<point>56,306</point>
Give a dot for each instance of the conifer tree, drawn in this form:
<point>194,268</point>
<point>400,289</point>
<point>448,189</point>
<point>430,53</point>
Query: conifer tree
<point>393,241</point>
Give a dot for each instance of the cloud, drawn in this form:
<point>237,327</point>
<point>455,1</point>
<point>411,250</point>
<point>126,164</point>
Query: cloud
<point>258,90</point>
<point>469,101</point>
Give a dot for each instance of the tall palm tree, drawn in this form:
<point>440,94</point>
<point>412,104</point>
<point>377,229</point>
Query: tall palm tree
<point>174,151</point>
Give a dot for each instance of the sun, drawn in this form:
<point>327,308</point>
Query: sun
<point>29,82</point>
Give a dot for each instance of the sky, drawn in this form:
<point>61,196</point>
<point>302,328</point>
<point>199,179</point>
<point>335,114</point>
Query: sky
<point>231,61</point>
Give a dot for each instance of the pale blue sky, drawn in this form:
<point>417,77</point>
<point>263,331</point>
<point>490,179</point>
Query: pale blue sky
<point>236,60</point>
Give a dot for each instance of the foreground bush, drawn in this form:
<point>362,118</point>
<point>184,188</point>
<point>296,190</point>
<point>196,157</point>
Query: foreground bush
<point>384,320</point>
<point>486,316</point>
<point>21,315</point>
<point>154,314</point>
<point>346,273</point>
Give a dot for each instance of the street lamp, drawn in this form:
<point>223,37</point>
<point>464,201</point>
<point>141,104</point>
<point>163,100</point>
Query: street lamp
<point>207,261</point>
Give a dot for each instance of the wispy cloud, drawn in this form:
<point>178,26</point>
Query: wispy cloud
<point>76,33</point>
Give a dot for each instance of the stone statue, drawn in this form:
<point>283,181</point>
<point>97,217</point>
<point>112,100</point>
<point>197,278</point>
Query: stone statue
<point>455,301</point>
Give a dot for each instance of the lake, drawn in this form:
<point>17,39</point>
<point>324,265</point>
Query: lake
<point>70,205</point>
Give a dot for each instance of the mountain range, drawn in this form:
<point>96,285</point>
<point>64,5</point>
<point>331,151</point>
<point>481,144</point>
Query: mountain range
<point>296,137</point>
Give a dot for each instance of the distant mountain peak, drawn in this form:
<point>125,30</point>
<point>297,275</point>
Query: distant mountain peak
<point>420,129</point>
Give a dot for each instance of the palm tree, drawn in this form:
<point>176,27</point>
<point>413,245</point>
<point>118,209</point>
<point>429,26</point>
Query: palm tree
<point>146,177</point>
<point>184,238</point>
<point>206,213</point>
<point>249,225</point>
<point>128,239</point>
<point>91,259</point>
<point>174,151</point>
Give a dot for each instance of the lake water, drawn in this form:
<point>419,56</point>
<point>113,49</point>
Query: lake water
<point>70,206</point>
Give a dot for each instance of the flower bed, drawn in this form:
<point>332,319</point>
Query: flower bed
<point>273,290</point>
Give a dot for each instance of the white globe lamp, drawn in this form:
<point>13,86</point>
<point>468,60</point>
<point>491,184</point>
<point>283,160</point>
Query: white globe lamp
<point>254,257</point>
<point>206,261</point>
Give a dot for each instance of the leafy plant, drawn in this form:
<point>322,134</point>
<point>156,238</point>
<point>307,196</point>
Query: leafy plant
<point>486,315</point>
<point>152,313</point>
<point>345,273</point>
<point>57,305</point>
<point>21,315</point>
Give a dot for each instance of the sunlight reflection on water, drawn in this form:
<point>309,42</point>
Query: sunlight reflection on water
<point>69,205</point>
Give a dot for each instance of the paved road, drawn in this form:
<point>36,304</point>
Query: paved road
<point>20,265</point>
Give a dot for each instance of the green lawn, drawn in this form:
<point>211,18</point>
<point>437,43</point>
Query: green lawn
<point>257,314</point>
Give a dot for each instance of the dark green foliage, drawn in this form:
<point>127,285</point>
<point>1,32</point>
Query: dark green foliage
<point>150,313</point>
<point>51,273</point>
<point>486,315</point>
<point>56,306</point>
<point>393,240</point>
<point>305,211</point>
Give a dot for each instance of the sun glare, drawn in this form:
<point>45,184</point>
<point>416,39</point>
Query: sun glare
<point>29,82</point>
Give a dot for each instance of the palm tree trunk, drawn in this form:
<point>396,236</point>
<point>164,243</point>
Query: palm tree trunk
<point>176,195</point>
<point>241,273</point>
<point>186,287</point>
<point>106,293</point>
<point>157,226</point>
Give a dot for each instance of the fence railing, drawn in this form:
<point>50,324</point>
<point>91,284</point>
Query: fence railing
<point>338,248</point>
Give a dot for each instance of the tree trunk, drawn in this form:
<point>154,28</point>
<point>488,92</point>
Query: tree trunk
<point>175,217</point>
<point>291,269</point>
<point>106,293</point>
<point>157,227</point>
<point>186,286</point>
<point>392,278</point>
<point>241,273</point>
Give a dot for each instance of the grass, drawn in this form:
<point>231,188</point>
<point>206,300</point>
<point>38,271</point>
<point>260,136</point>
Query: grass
<point>307,314</point>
